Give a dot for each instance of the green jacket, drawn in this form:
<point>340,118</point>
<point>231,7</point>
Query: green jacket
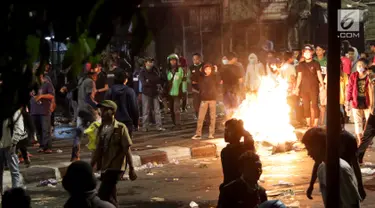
<point>175,84</point>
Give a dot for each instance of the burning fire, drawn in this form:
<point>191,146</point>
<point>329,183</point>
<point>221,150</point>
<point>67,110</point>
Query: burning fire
<point>266,115</point>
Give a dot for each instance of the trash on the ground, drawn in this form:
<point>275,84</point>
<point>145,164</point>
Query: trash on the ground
<point>176,162</point>
<point>50,181</point>
<point>148,166</point>
<point>157,199</point>
<point>171,179</point>
<point>367,171</point>
<point>295,204</point>
<point>193,204</point>
<point>59,151</point>
<point>150,174</point>
<point>52,186</point>
<point>274,193</point>
<point>284,183</point>
<point>149,146</point>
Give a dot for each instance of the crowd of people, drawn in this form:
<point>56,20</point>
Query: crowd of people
<point>103,102</point>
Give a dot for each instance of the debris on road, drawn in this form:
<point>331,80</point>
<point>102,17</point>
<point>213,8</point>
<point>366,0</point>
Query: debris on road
<point>59,151</point>
<point>367,171</point>
<point>149,146</point>
<point>171,179</point>
<point>284,183</point>
<point>48,182</point>
<point>193,204</point>
<point>298,146</point>
<point>148,166</point>
<point>157,199</point>
<point>176,162</point>
<point>150,174</point>
<point>295,204</point>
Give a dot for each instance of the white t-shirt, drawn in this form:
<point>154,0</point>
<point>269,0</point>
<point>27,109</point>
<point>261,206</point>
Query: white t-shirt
<point>349,194</point>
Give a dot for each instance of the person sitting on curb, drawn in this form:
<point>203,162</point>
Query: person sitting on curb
<point>80,182</point>
<point>244,191</point>
<point>315,142</point>
<point>112,154</point>
<point>234,131</point>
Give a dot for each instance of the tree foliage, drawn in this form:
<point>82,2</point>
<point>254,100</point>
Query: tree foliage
<point>24,27</point>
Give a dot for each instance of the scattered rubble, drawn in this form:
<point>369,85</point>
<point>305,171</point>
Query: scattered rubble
<point>148,166</point>
<point>157,199</point>
<point>50,183</point>
<point>193,204</point>
<point>284,184</point>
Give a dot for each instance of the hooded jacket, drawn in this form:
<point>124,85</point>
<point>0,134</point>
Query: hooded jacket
<point>352,90</point>
<point>126,100</point>
<point>254,72</point>
<point>150,79</point>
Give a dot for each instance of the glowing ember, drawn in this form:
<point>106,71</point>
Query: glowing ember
<point>266,116</point>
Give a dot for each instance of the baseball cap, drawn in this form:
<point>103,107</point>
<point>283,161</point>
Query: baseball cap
<point>108,104</point>
<point>308,47</point>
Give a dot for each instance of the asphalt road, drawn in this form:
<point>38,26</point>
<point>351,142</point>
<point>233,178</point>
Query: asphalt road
<point>177,185</point>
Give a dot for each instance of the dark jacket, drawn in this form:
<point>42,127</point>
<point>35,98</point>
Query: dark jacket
<point>150,79</point>
<point>136,81</point>
<point>208,86</point>
<point>236,194</point>
<point>87,200</point>
<point>195,74</point>
<point>352,90</point>
<point>127,107</point>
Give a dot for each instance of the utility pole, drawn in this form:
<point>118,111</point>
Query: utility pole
<point>333,107</point>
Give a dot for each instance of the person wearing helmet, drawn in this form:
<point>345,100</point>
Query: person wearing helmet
<point>175,76</point>
<point>309,77</point>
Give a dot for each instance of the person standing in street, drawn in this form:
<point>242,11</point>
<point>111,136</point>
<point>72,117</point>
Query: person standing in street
<point>126,100</point>
<point>13,132</point>
<point>309,76</point>
<point>40,110</point>
<point>232,77</point>
<point>101,83</point>
<point>208,86</point>
<point>112,155</point>
<point>195,71</point>
<point>175,76</point>
<point>358,96</point>
<point>322,59</point>
<point>151,82</point>
<point>185,83</point>
<point>87,109</point>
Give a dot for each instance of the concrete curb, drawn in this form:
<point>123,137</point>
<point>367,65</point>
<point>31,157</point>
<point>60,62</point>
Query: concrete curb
<point>164,155</point>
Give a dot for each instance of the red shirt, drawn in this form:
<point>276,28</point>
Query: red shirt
<point>346,65</point>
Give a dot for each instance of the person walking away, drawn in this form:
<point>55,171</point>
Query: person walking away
<point>315,142</point>
<point>175,75</point>
<point>80,182</point>
<point>195,71</point>
<point>137,85</point>
<point>232,78</point>
<point>254,73</point>
<point>13,132</point>
<point>16,197</point>
<point>244,191</point>
<point>288,73</point>
<point>185,83</point>
<point>101,83</point>
<point>111,72</point>
<point>208,85</point>
<point>357,97</point>
<point>126,100</point>
<point>369,131</point>
<point>309,76</point>
<point>87,110</point>
<point>112,155</point>
<point>40,110</point>
<point>151,82</point>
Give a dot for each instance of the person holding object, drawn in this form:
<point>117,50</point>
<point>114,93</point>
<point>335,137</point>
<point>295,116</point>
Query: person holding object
<point>112,155</point>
